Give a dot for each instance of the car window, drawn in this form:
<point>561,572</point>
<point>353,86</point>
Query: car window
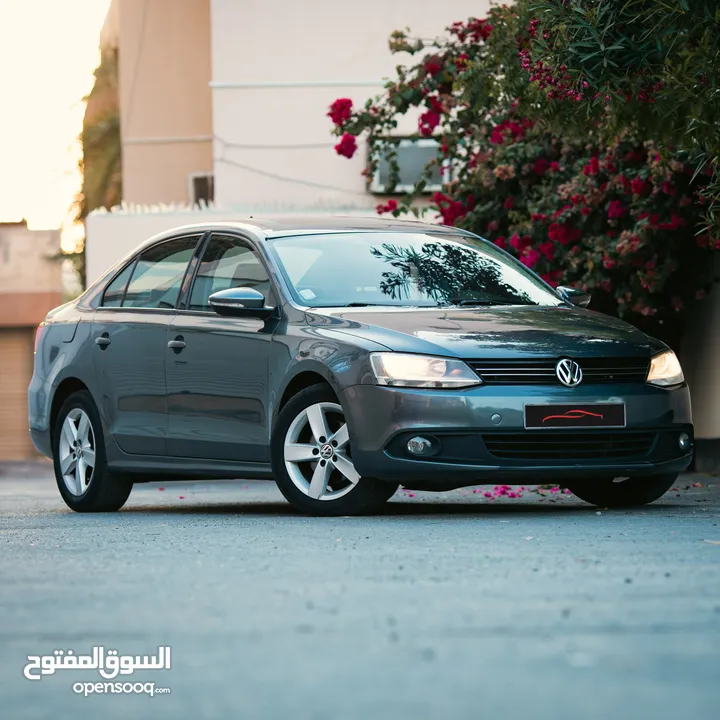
<point>227,263</point>
<point>408,268</point>
<point>158,274</point>
<point>116,289</point>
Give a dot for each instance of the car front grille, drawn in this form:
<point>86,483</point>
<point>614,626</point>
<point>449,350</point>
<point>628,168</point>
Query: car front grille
<point>542,371</point>
<point>569,446</point>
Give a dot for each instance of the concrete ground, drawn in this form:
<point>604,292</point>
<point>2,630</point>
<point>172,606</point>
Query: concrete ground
<point>446,606</point>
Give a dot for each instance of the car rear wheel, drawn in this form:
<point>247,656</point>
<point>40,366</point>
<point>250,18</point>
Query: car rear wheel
<point>84,480</point>
<point>623,492</point>
<point>312,459</point>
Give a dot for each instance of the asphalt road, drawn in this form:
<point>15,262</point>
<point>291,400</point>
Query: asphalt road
<point>447,606</point>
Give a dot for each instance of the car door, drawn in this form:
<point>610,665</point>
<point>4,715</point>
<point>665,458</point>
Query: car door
<point>217,373</point>
<point>129,330</point>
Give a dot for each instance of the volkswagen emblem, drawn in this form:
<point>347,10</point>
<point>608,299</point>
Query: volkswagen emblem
<point>568,372</point>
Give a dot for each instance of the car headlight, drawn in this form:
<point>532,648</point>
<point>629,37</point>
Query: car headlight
<point>405,370</point>
<point>665,370</point>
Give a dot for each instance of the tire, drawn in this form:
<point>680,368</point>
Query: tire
<point>625,493</point>
<point>299,437</point>
<point>83,477</point>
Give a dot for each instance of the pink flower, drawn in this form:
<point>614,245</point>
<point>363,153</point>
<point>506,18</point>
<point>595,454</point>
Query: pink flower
<point>347,145</point>
<point>340,111</point>
<point>616,210</point>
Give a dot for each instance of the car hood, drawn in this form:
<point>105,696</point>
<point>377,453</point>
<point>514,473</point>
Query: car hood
<point>492,332</point>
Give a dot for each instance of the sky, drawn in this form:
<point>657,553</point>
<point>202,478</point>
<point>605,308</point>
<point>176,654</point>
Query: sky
<point>48,51</point>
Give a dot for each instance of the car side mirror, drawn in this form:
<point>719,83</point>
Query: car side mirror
<point>574,296</point>
<point>240,302</point>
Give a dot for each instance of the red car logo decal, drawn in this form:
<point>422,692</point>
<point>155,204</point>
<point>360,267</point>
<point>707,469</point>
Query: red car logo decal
<point>574,415</point>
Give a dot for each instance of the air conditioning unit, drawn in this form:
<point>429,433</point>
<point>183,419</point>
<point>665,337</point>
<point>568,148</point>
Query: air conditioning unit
<point>412,157</point>
<point>201,188</point>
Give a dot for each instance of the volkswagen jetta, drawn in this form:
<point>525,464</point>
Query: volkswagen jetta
<point>343,357</point>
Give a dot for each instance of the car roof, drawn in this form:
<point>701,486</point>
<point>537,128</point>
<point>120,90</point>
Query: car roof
<point>265,228</point>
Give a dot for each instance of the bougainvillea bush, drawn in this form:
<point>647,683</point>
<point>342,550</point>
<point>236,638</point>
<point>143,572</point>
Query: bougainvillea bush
<point>620,220</point>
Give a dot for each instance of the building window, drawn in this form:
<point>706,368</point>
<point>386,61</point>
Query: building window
<point>412,157</point>
<point>202,188</point>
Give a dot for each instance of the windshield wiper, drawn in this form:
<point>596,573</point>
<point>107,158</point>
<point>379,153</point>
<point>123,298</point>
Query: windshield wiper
<point>468,302</point>
<point>364,304</point>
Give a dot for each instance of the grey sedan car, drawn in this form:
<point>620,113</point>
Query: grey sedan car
<point>344,357</point>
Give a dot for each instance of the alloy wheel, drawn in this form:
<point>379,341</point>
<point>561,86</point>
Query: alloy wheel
<point>77,451</point>
<point>317,452</point>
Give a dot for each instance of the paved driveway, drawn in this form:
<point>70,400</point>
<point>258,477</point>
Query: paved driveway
<point>447,606</point>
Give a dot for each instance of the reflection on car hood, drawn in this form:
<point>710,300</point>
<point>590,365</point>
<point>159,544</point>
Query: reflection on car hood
<point>491,332</point>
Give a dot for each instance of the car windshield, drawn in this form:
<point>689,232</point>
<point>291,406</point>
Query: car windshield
<point>411,269</point>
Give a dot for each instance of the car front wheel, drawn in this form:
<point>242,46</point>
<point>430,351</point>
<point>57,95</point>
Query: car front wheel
<point>84,480</point>
<point>312,459</point>
<point>623,492</point>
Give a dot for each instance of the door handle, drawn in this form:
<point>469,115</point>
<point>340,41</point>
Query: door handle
<point>103,341</point>
<point>177,344</point>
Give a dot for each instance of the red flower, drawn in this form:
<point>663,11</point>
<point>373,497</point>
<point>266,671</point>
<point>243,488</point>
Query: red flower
<point>640,186</point>
<point>608,263</point>
<point>530,258</point>
<point>668,188</point>
<point>492,226</point>
<point>563,234</point>
<point>541,166</point>
<point>340,111</point>
<point>450,210</point>
<point>559,212</point>
<point>592,168</point>
<point>674,223</point>
<point>538,216</point>
<point>519,243</point>
<point>433,65</point>
<point>554,166</point>
<point>347,145</point>
<point>496,136</point>
<point>428,122</point>
<point>500,242</point>
<point>509,203</point>
<point>616,210</point>
<point>577,199</point>
<point>586,211</point>
<point>547,249</point>
<point>390,207</point>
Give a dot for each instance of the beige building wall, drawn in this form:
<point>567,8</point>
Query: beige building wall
<point>30,286</point>
<point>277,65</point>
<point>165,101</point>
<point>26,263</point>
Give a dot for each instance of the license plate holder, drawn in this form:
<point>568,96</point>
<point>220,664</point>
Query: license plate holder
<point>574,415</point>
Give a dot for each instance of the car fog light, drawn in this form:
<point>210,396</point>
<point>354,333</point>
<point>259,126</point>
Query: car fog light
<point>420,446</point>
<point>684,441</point>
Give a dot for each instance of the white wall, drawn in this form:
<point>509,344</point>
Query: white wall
<point>327,49</point>
<point>112,235</point>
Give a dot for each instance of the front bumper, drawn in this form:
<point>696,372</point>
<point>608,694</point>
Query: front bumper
<point>382,419</point>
